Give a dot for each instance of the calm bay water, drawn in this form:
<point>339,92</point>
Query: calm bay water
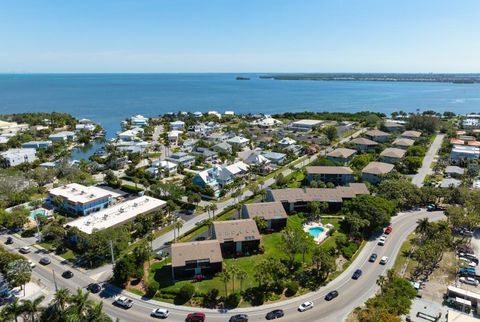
<point>110,98</point>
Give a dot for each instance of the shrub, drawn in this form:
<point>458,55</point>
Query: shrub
<point>186,292</point>
<point>292,288</point>
<point>210,299</point>
<point>232,300</point>
<point>131,189</point>
<point>349,251</point>
<point>152,288</point>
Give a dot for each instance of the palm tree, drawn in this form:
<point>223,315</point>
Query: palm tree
<point>423,227</point>
<point>95,313</point>
<point>242,276</point>
<point>60,299</point>
<point>79,305</point>
<point>31,308</point>
<point>225,277</point>
<point>178,225</point>
<point>12,310</point>
<point>213,208</point>
<point>233,271</point>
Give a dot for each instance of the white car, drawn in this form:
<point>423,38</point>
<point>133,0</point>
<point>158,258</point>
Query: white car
<point>384,260</point>
<point>305,306</point>
<point>469,280</point>
<point>382,240</point>
<point>32,264</point>
<point>25,250</point>
<point>160,313</point>
<point>124,302</point>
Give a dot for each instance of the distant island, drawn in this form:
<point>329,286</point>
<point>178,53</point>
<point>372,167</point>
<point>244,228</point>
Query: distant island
<point>391,77</point>
<point>242,78</point>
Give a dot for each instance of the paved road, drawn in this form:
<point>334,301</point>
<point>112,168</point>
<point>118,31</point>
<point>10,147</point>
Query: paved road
<point>427,161</point>
<point>160,243</point>
<point>352,293</point>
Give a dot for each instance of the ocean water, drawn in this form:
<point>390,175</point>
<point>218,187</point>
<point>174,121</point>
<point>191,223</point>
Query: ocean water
<point>110,98</point>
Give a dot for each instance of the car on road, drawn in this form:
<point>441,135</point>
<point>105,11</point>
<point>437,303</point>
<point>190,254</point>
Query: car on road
<point>32,264</point>
<point>9,241</point>
<point>388,230</point>
<point>200,238</point>
<point>239,318</point>
<point>123,301</point>
<point>160,313</point>
<point>331,295</point>
<point>67,274</point>
<point>195,317</point>
<point>44,261</point>
<point>356,275</point>
<point>25,250</point>
<point>372,258</point>
<point>469,280</point>
<point>305,306</point>
<point>275,314</point>
<point>94,287</point>
<point>382,240</point>
<point>431,207</point>
<point>384,260</point>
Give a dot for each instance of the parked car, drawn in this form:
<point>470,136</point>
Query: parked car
<point>275,314</point>
<point>94,287</point>
<point>239,318</point>
<point>431,207</point>
<point>384,260</point>
<point>388,230</point>
<point>372,258</point>
<point>25,250</point>
<point>469,280</point>
<point>382,240</point>
<point>67,274</point>
<point>44,261</point>
<point>331,295</point>
<point>195,317</point>
<point>160,313</point>
<point>9,240</point>
<point>468,270</point>
<point>124,302</point>
<point>305,306</point>
<point>356,275</point>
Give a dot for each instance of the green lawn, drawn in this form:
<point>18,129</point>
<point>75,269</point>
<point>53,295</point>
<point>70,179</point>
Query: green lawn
<point>402,257</point>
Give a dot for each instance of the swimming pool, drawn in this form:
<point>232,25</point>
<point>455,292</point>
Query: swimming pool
<point>315,231</point>
<point>37,212</point>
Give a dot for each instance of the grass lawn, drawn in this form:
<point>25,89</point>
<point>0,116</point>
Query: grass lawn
<point>68,254</point>
<point>402,257</point>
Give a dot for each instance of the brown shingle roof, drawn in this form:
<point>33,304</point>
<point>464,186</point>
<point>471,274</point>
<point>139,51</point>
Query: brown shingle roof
<point>183,252</point>
<point>374,133</point>
<point>378,168</point>
<point>363,141</point>
<point>337,194</point>
<point>412,134</point>
<point>393,153</point>
<point>341,153</point>
<point>403,142</point>
<point>393,125</point>
<point>328,170</point>
<point>265,210</point>
<point>236,230</point>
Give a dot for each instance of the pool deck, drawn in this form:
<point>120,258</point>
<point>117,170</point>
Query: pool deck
<point>322,236</point>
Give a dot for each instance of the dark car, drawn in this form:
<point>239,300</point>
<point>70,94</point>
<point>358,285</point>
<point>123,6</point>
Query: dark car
<point>275,314</point>
<point>67,274</point>
<point>45,261</point>
<point>9,241</point>
<point>195,317</point>
<point>357,274</point>
<point>94,287</point>
<point>372,258</point>
<point>239,318</point>
<point>331,295</point>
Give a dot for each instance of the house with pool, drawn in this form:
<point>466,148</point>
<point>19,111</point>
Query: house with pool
<point>78,199</point>
<point>298,199</point>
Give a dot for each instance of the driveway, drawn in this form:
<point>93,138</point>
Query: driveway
<point>427,161</point>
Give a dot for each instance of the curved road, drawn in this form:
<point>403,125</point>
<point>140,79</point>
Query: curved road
<point>351,293</point>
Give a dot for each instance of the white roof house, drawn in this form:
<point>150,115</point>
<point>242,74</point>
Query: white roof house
<point>305,125</point>
<point>177,125</point>
<point>130,135</point>
<point>239,140</point>
<point>231,113</point>
<point>464,152</point>
<point>62,136</point>
<point>14,157</point>
<point>139,120</point>
<point>256,158</point>
<point>215,113</point>
<point>174,134</point>
<point>287,141</point>
<point>117,214</point>
<point>266,121</point>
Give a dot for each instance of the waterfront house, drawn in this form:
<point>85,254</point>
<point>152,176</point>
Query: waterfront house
<point>336,175</point>
<point>412,135</point>
<point>237,237</point>
<point>374,172</point>
<point>299,199</point>
<point>272,212</point>
<point>14,157</point>
<point>378,136</point>
<point>392,155</point>
<point>130,135</point>
<point>138,120</point>
<point>181,158</point>
<point>79,199</point>
<point>177,125</point>
<point>196,258</point>
<point>37,145</point>
<point>62,136</point>
<point>403,143</point>
<point>341,155</point>
<point>363,144</point>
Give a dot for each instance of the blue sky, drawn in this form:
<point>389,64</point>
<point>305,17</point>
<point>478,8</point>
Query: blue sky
<point>240,36</point>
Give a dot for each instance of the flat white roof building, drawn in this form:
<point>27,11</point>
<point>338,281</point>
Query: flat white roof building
<point>14,157</point>
<point>117,214</point>
<point>305,125</point>
<point>78,193</point>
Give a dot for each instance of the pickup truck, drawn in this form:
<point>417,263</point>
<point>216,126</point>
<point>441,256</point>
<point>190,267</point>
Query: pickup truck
<point>124,302</point>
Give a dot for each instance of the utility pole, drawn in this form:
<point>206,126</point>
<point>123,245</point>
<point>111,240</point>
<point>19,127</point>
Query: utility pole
<point>111,252</point>
<point>55,280</point>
